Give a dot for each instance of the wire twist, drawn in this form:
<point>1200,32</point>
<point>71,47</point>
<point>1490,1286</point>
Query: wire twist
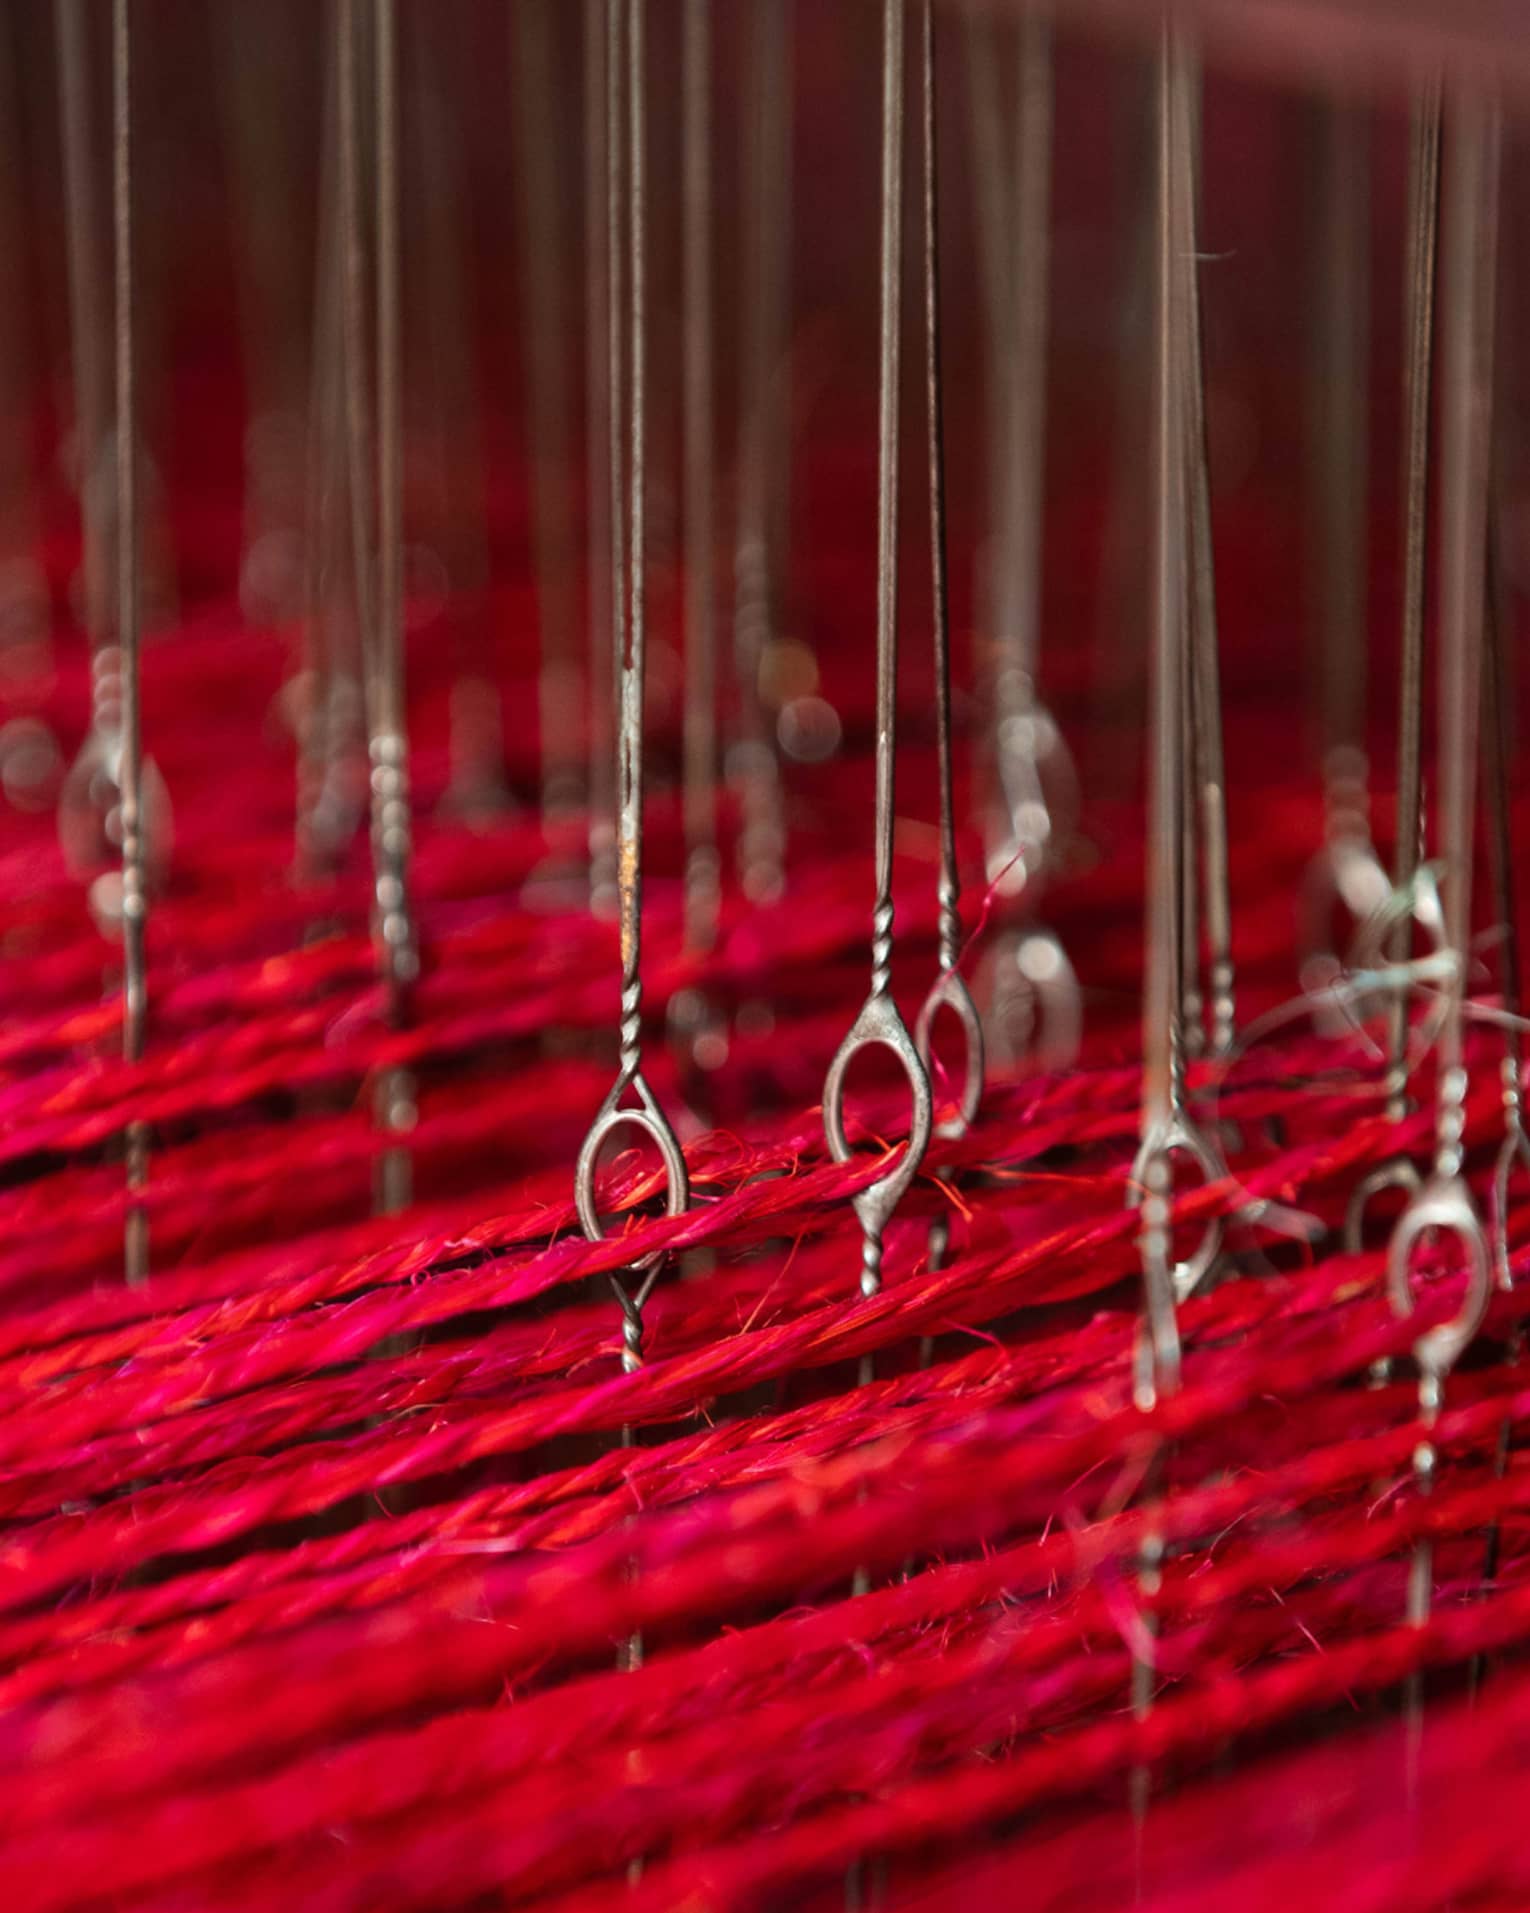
<point>398,944</point>
<point>631,1023</point>
<point>881,946</point>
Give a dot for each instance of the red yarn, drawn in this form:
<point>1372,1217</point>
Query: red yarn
<point>317,1553</point>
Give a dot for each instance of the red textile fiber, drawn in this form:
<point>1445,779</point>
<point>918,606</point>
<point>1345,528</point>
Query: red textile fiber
<point>317,1551</point>
<point>343,1566</point>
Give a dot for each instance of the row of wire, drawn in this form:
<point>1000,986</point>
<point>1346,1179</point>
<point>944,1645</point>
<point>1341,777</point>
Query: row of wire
<point>1189,1004</point>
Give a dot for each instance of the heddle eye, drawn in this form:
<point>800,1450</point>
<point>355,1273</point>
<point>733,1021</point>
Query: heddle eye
<point>1157,1152</point>
<point>647,1118</point>
<point>950,993</point>
<point>879,1027</point>
<point>1443,1206</point>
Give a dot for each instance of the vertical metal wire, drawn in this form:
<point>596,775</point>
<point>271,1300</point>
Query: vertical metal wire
<point>700,719</point>
<point>602,498</point>
<point>632,642</point>
<point>135,902</point>
<point>1446,1202</point>
<point>1159,1351</point>
<point>888,362</point>
<point>1340,430</point>
<point>87,355</point>
<point>616,386</point>
<point>542,272</point>
<point>325,806</point>
<point>1204,683</point>
<point>1418,345</point>
<point>391,819</point>
<point>762,468</point>
<point>1029,249</point>
<point>1465,458</point>
<point>353,277</point>
<point>949,882</point>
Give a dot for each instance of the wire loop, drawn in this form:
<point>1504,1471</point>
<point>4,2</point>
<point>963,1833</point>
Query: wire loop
<point>879,1026</point>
